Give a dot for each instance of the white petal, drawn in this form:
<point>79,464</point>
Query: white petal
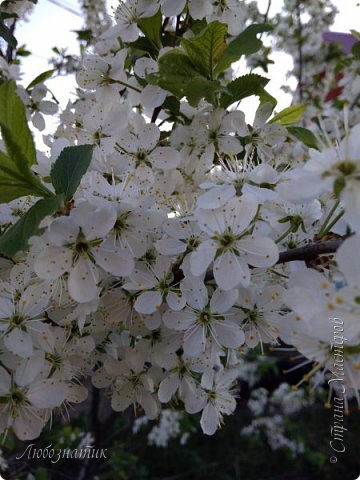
<point>195,292</point>
<point>230,271</point>
<point>113,261</point>
<point>149,134</point>
<point>194,341</point>
<point>170,8</point>
<point>216,197</point>
<point>76,393</point>
<point>168,387</point>
<point>83,281</point>
<point>348,261</point>
<point>199,9</point>
<point>62,231</point>
<point>209,419</point>
<point>28,424</point>
<point>152,96</point>
<point>221,301</point>
<point>165,158</point>
<point>94,223</point>
<point>29,369</point>
<point>19,342</point>
<point>240,211</point>
<point>7,308</point>
<point>179,320</point>
<point>170,246</point>
<point>259,251</point>
<point>38,121</point>
<point>53,262</point>
<point>34,300</point>
<point>5,381</point>
<point>149,404</point>
<point>202,257</point>
<point>47,393</point>
<point>122,398</point>
<point>228,334</point>
<point>175,302</point>
<point>262,114</point>
<point>148,302</point>
<point>152,321</point>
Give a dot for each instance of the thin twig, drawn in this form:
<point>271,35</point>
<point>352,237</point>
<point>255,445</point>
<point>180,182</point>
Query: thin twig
<point>266,16</point>
<point>300,52</point>
<point>155,114</point>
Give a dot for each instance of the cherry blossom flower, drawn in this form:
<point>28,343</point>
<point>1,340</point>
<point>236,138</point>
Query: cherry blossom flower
<point>231,246</point>
<point>202,319</point>
<point>77,247</point>
<point>27,394</point>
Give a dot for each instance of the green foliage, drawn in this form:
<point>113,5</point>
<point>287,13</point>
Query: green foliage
<point>193,71</point>
<point>16,182</point>
<point>22,51</point>
<point>244,44</point>
<point>17,236</point>
<point>206,49</point>
<point>356,47</point>
<point>5,31</point>
<point>14,128</point>
<point>289,115</point>
<point>305,136</point>
<point>151,27</point>
<point>178,75</point>
<point>69,169</point>
<point>41,474</point>
<point>41,78</point>
<point>356,50</point>
<point>16,177</point>
<point>242,87</point>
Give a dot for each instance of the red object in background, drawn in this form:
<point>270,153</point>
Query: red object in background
<point>346,40</point>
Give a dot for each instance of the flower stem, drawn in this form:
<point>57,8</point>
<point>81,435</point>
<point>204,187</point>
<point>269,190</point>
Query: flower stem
<point>327,220</point>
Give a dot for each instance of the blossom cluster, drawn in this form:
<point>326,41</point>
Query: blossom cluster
<point>167,264</point>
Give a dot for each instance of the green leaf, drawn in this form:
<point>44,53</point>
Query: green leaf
<point>355,33</point>
<point>14,128</point>
<point>4,15</point>
<point>206,49</point>
<point>178,75</point>
<point>175,72</point>
<point>244,44</point>
<point>7,35</point>
<point>17,236</point>
<point>15,183</point>
<point>69,169</point>
<point>41,474</point>
<point>265,97</point>
<point>22,51</point>
<point>356,50</point>
<point>151,27</point>
<point>305,136</point>
<point>172,105</point>
<point>41,78</point>
<point>201,87</point>
<point>289,115</point>
<point>242,87</point>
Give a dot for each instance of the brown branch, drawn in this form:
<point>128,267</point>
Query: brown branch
<point>155,114</point>
<point>300,50</point>
<point>10,49</point>
<point>310,252</point>
<point>306,254</point>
